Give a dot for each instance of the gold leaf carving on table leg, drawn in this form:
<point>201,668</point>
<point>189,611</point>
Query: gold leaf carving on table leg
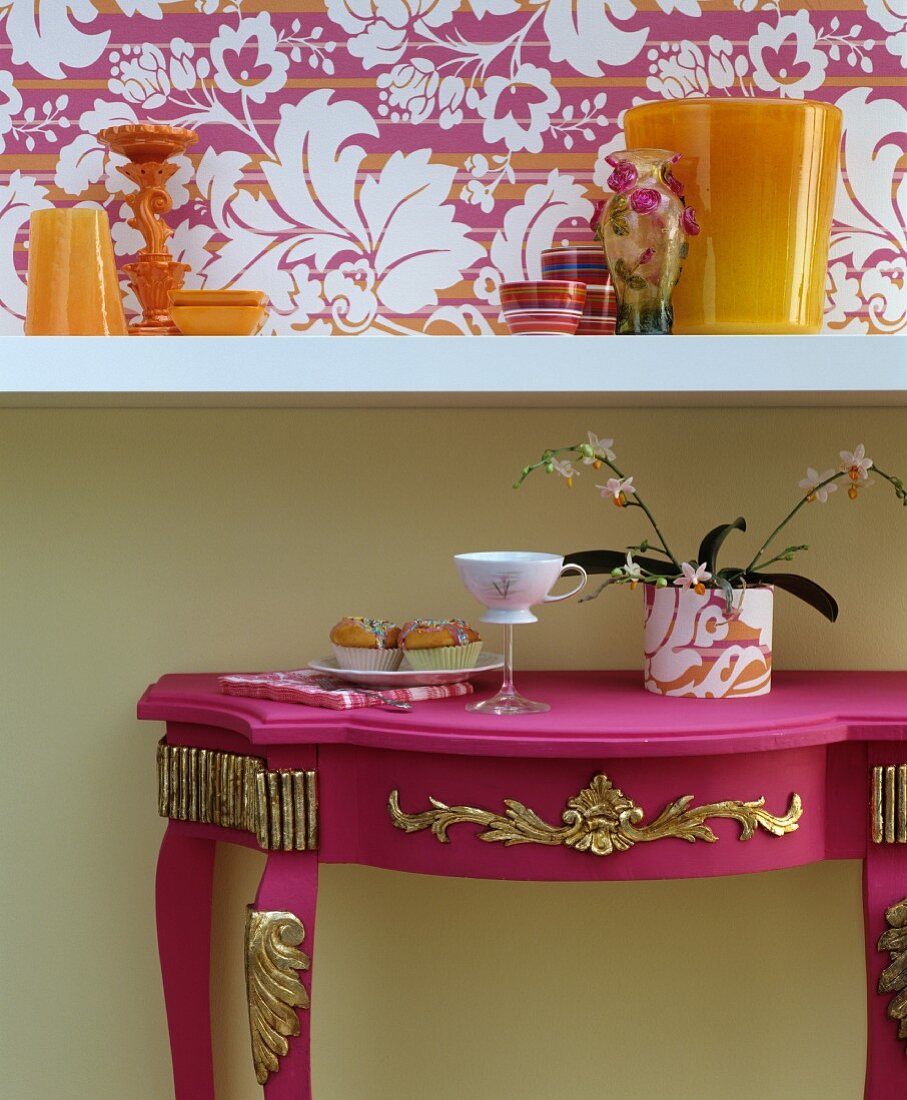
<point>600,819</point>
<point>894,976</point>
<point>273,988</point>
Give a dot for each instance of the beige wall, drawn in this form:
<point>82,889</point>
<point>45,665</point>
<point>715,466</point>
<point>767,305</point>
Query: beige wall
<point>140,542</point>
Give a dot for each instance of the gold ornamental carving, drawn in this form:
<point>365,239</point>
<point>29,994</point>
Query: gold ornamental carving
<point>273,988</point>
<point>600,820</point>
<point>894,976</point>
<point>889,804</point>
<point>279,807</point>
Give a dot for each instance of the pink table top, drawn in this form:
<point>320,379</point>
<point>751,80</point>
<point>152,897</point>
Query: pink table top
<point>592,714</point>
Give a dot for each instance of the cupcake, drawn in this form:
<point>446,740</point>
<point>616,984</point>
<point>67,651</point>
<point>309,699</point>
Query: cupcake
<point>440,644</point>
<point>367,645</point>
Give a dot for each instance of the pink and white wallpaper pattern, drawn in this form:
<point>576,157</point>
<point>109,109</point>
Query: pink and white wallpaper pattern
<point>380,166</point>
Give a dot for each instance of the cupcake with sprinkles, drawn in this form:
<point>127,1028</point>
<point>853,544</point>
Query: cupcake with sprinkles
<point>367,645</point>
<point>440,644</point>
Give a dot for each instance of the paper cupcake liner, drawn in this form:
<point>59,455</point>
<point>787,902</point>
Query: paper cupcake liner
<point>444,657</point>
<point>368,660</point>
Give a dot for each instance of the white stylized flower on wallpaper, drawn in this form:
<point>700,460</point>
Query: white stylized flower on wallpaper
<point>394,243</point>
<point>184,70</point>
<point>891,16</point>
<point>85,160</point>
<point>883,288</point>
<point>238,69</point>
<point>681,73</point>
<point>723,68</point>
<point>516,248</point>
<point>870,218</point>
<point>18,199</point>
<point>47,34</point>
<point>517,110</point>
<point>350,291</point>
<point>140,76</point>
<point>842,300</point>
<point>412,88</point>
<point>774,69</point>
<point>379,28</point>
<point>10,105</point>
<point>585,36</point>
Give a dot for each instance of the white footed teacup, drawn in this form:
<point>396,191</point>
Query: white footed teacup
<point>509,582</point>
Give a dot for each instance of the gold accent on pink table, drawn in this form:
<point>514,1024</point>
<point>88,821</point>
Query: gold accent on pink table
<point>238,792</point>
<point>600,819</point>
<point>273,988</point>
<point>155,273</point>
<point>889,804</point>
<point>894,976</point>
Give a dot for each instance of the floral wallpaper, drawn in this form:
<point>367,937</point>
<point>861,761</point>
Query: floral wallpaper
<point>380,166</point>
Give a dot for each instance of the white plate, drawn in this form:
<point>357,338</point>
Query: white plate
<point>408,677</point>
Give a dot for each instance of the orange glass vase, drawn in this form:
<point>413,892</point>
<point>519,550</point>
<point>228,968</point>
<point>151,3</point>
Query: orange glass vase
<point>761,176</point>
<point>73,289</point>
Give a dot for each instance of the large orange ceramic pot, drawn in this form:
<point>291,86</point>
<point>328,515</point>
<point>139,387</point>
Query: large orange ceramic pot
<point>73,288</point>
<point>761,175</point>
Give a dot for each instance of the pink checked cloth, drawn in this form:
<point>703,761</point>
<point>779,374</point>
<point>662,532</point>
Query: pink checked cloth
<point>317,689</point>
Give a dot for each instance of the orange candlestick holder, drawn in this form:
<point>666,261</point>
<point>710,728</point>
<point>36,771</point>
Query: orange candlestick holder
<point>154,273</point>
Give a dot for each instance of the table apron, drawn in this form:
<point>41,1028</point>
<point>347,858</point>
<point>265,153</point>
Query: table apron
<point>561,823</point>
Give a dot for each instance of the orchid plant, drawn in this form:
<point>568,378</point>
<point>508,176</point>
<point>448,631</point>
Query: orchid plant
<point>629,566</point>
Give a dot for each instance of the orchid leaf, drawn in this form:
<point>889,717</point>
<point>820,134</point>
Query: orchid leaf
<point>711,544</point>
<point>603,561</point>
<point>801,587</point>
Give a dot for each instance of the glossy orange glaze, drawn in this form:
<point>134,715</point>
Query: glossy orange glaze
<point>761,177</point>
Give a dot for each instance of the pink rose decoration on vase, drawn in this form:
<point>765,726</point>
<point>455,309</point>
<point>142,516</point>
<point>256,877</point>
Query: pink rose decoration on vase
<point>644,257</point>
<point>623,177</point>
<point>688,221</point>
<point>597,209</point>
<point>644,200</point>
<point>672,181</point>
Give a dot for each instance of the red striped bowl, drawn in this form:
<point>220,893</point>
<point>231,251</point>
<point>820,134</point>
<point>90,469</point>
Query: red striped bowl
<point>585,262</point>
<point>543,307</point>
<point>599,313</point>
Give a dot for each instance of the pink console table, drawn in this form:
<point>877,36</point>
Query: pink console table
<point>613,783</point>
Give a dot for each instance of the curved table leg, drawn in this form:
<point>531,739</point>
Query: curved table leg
<point>279,940</point>
<point>884,886</point>
<point>185,877</point>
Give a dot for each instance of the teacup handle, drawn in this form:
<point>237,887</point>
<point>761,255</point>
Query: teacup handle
<point>573,591</point>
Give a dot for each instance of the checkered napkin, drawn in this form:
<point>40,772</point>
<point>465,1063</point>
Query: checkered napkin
<point>317,689</point>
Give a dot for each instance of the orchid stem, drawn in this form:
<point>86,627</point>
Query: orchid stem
<point>790,515</point>
<point>575,449</point>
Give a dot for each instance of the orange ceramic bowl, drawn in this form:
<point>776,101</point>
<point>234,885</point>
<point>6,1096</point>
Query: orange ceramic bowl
<point>219,320</point>
<point>218,298</point>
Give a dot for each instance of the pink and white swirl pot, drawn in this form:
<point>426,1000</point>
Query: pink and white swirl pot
<point>695,649</point>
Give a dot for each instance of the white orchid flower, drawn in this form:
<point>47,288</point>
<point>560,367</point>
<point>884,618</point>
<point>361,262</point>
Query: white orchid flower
<point>618,488</point>
<point>856,464</point>
<point>565,468</point>
<point>854,487</point>
<point>632,571</point>
<point>601,449</point>
<point>693,577</point>
<point>810,483</point>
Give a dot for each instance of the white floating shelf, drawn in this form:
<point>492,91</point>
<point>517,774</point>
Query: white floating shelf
<point>453,371</point>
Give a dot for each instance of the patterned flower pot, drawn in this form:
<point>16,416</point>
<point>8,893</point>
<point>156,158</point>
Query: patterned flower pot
<point>693,648</point>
